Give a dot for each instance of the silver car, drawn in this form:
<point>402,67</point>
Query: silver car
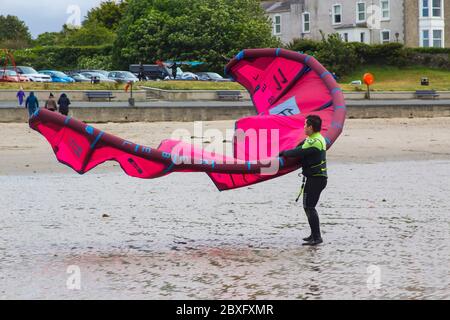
<point>122,76</point>
<point>97,77</point>
<point>31,74</point>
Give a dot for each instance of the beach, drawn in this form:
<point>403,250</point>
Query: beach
<point>385,219</point>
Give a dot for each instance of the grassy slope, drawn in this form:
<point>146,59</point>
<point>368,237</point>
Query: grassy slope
<point>399,79</point>
<point>193,85</point>
<point>60,86</point>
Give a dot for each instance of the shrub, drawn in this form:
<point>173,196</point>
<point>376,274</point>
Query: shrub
<point>303,45</point>
<point>96,62</point>
<point>58,57</point>
<point>336,55</point>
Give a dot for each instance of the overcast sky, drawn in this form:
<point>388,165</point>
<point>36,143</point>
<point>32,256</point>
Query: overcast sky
<point>47,15</point>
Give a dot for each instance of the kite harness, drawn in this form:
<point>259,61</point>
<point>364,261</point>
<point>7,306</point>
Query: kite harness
<point>302,188</point>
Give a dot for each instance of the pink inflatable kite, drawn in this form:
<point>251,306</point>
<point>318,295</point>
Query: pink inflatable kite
<point>285,87</point>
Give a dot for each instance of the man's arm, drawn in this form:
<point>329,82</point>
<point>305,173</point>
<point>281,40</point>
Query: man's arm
<point>299,153</point>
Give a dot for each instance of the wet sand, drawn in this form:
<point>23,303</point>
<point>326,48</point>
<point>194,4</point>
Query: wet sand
<point>363,141</point>
<point>385,212</point>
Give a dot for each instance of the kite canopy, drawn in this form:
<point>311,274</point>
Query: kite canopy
<point>285,87</point>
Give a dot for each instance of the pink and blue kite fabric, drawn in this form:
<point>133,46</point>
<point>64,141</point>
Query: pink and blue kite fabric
<point>285,87</point>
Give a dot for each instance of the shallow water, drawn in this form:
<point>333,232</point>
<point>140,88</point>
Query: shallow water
<point>385,226</point>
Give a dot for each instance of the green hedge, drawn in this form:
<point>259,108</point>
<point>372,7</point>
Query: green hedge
<point>342,57</point>
<point>431,50</point>
<point>303,45</point>
<point>58,57</point>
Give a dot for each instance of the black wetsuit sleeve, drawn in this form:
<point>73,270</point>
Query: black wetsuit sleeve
<point>301,143</point>
<point>299,153</point>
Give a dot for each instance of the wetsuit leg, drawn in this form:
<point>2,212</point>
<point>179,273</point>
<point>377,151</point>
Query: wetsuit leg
<point>313,188</point>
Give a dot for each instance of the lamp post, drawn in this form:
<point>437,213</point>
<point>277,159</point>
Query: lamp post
<point>368,79</point>
<point>131,99</point>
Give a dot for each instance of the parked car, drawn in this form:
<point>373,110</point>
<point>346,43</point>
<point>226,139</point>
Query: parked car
<point>103,72</point>
<point>188,76</point>
<point>31,74</point>
<point>122,76</point>
<point>212,76</point>
<point>96,77</point>
<point>12,76</point>
<point>78,77</point>
<point>58,76</point>
<point>152,71</point>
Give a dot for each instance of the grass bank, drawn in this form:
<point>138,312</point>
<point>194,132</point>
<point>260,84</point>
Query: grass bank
<point>60,86</point>
<point>193,85</point>
<point>389,78</point>
<point>165,85</point>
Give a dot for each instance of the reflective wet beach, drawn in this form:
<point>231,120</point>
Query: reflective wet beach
<point>386,228</point>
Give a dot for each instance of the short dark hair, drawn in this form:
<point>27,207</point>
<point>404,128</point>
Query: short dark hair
<point>315,122</point>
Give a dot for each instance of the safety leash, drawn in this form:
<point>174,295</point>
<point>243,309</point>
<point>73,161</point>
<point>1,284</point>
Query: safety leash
<point>301,189</point>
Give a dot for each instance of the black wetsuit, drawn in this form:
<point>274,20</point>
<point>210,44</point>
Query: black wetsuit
<point>312,155</point>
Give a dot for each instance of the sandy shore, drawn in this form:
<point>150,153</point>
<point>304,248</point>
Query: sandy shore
<point>364,141</point>
<point>384,215</point>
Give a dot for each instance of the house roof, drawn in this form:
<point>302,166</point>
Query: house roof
<point>276,6</point>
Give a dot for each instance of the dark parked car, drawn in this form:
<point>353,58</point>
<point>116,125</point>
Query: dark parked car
<point>103,72</point>
<point>78,77</point>
<point>152,71</point>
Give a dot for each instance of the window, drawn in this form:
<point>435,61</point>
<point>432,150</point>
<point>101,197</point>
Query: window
<point>425,8</point>
<point>437,38</point>
<point>277,24</point>
<point>432,38</point>
<point>437,8</point>
<point>385,10</point>
<point>425,38</point>
<point>385,36</point>
<point>361,12</point>
<point>363,37</point>
<point>346,37</point>
<point>337,14</point>
<point>306,22</point>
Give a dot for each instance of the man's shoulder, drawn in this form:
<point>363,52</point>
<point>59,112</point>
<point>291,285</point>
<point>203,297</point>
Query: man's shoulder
<point>315,142</point>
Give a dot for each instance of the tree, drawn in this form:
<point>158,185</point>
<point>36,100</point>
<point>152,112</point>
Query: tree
<point>48,39</point>
<point>336,55</point>
<point>103,62</point>
<point>198,29</point>
<point>108,14</point>
<point>13,32</point>
<point>90,34</point>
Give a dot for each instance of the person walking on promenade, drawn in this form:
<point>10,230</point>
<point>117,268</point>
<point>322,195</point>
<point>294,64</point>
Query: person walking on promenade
<point>32,104</point>
<point>20,96</point>
<point>64,103</point>
<point>50,104</point>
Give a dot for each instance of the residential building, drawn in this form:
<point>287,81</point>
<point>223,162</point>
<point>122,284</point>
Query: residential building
<point>412,22</point>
